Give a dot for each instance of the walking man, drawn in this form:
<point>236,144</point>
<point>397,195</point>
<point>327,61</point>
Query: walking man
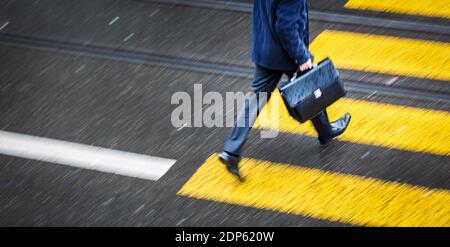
<point>280,46</point>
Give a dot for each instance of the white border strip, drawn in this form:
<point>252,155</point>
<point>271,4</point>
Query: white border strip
<point>84,156</point>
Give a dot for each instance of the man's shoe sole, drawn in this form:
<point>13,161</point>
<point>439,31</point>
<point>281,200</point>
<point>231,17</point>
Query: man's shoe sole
<point>231,170</point>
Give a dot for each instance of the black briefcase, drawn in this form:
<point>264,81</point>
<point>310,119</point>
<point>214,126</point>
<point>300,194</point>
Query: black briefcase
<point>311,92</point>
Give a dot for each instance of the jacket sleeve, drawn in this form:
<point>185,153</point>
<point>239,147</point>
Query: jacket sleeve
<point>286,27</point>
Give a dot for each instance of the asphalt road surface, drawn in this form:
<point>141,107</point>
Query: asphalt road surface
<point>101,74</point>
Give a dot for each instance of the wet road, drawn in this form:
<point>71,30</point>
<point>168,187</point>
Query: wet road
<point>125,105</point>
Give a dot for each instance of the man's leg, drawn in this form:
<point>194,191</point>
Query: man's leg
<point>264,81</point>
<point>263,84</point>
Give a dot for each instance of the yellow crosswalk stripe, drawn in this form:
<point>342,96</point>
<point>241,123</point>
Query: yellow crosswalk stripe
<point>319,194</point>
<point>392,126</point>
<point>384,54</point>
<point>435,8</point>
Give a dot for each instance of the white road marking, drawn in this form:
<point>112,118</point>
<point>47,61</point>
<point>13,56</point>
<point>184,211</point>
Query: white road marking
<point>391,81</point>
<point>154,12</point>
<point>184,125</point>
<point>365,155</point>
<point>128,37</point>
<point>83,156</point>
<point>114,20</point>
<point>79,69</point>
<point>371,94</point>
<point>4,25</point>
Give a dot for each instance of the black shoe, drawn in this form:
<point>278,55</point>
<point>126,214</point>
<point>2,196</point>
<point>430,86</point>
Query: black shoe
<point>336,128</point>
<point>231,162</point>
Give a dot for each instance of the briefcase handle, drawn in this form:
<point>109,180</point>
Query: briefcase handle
<point>302,73</point>
<point>306,71</point>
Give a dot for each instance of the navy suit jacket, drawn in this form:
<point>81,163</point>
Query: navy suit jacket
<point>280,34</point>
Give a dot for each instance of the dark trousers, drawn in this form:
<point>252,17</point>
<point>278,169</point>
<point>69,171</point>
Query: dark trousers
<point>264,81</point>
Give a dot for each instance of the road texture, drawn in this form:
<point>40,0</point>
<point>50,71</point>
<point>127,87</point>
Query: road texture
<point>115,101</point>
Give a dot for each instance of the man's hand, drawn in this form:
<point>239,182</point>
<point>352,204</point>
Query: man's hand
<point>305,66</point>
